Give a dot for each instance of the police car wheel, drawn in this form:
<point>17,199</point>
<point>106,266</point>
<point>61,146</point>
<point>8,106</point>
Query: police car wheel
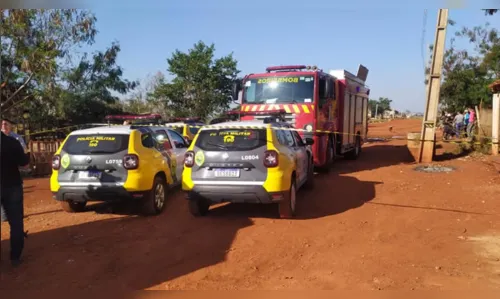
<point>198,207</point>
<point>155,202</point>
<point>72,206</point>
<point>287,206</point>
<point>310,176</point>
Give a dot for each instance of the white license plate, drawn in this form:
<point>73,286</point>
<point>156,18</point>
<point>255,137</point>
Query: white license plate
<point>227,173</point>
<point>89,174</point>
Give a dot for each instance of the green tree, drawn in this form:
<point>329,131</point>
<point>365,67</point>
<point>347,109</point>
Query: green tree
<point>384,104</point>
<point>88,96</point>
<point>33,40</point>
<point>467,74</point>
<point>143,99</point>
<point>490,11</point>
<point>202,84</point>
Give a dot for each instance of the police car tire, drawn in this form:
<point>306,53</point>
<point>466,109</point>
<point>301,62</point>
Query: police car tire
<point>150,206</point>
<point>310,176</point>
<point>285,207</point>
<point>198,207</point>
<point>72,206</point>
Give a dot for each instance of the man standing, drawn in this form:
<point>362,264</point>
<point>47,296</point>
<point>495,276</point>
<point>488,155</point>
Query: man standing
<point>7,130</point>
<point>11,184</point>
<point>472,123</point>
<point>459,124</point>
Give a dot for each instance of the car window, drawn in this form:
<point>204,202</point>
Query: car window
<point>280,136</point>
<point>96,144</point>
<point>298,139</point>
<point>231,139</point>
<point>161,137</point>
<point>147,140</point>
<point>289,138</point>
<point>195,129</point>
<point>177,140</point>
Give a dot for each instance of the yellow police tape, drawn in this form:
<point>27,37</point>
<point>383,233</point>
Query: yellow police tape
<point>287,129</point>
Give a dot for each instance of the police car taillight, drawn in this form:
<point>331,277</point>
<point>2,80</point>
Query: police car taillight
<point>131,161</point>
<point>56,162</point>
<point>189,159</point>
<point>271,159</point>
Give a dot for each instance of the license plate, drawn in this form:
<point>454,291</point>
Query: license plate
<point>227,173</point>
<point>89,174</point>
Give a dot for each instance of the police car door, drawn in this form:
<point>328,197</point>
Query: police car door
<point>165,147</point>
<point>298,155</point>
<point>179,147</point>
<point>301,150</point>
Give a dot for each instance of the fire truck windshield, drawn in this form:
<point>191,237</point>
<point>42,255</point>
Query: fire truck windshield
<point>279,89</point>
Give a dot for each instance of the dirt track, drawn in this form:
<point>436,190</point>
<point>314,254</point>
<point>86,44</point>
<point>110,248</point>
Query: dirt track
<point>374,223</point>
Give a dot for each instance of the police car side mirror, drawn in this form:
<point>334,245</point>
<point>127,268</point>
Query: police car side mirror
<point>309,141</point>
<point>235,90</point>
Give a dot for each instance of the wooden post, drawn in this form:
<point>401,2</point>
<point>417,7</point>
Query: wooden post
<point>428,135</point>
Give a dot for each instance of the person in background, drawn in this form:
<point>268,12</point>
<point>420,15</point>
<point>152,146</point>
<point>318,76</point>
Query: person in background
<point>472,123</point>
<point>458,121</point>
<point>11,184</point>
<point>7,130</point>
<point>466,120</point>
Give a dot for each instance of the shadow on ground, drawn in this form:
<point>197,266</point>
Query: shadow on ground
<point>126,253</point>
<point>332,194</point>
<point>130,252</point>
<point>375,156</point>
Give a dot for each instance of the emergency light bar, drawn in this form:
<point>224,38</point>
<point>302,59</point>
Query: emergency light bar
<point>133,116</point>
<point>184,119</point>
<point>285,68</point>
<point>274,113</point>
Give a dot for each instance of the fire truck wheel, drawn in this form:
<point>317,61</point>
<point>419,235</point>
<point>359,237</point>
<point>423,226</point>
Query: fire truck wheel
<point>72,206</point>
<point>330,157</point>
<point>354,154</point>
<point>287,206</point>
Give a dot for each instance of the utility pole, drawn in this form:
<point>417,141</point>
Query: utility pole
<point>376,110</point>
<point>428,133</point>
<point>495,88</point>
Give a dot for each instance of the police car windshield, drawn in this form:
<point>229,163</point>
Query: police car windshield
<point>278,90</point>
<point>231,139</point>
<point>96,144</point>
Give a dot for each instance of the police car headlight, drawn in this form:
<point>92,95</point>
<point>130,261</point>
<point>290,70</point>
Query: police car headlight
<point>309,128</point>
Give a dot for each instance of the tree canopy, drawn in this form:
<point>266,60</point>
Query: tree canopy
<point>202,83</point>
<point>467,73</point>
<point>33,42</point>
<point>380,105</point>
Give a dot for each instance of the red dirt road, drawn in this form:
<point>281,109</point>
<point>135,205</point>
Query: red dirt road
<point>374,223</point>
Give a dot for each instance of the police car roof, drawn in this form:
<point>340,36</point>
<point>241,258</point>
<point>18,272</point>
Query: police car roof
<point>247,123</point>
<point>174,124</point>
<point>104,130</point>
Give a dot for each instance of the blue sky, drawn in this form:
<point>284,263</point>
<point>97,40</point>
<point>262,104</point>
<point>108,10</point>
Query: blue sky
<point>383,37</point>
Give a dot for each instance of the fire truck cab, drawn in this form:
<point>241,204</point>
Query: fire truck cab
<point>330,107</point>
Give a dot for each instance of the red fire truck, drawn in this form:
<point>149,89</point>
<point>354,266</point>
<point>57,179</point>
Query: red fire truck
<point>331,107</point>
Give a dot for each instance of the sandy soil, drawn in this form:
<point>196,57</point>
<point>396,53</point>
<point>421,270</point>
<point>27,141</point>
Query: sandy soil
<point>374,223</point>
